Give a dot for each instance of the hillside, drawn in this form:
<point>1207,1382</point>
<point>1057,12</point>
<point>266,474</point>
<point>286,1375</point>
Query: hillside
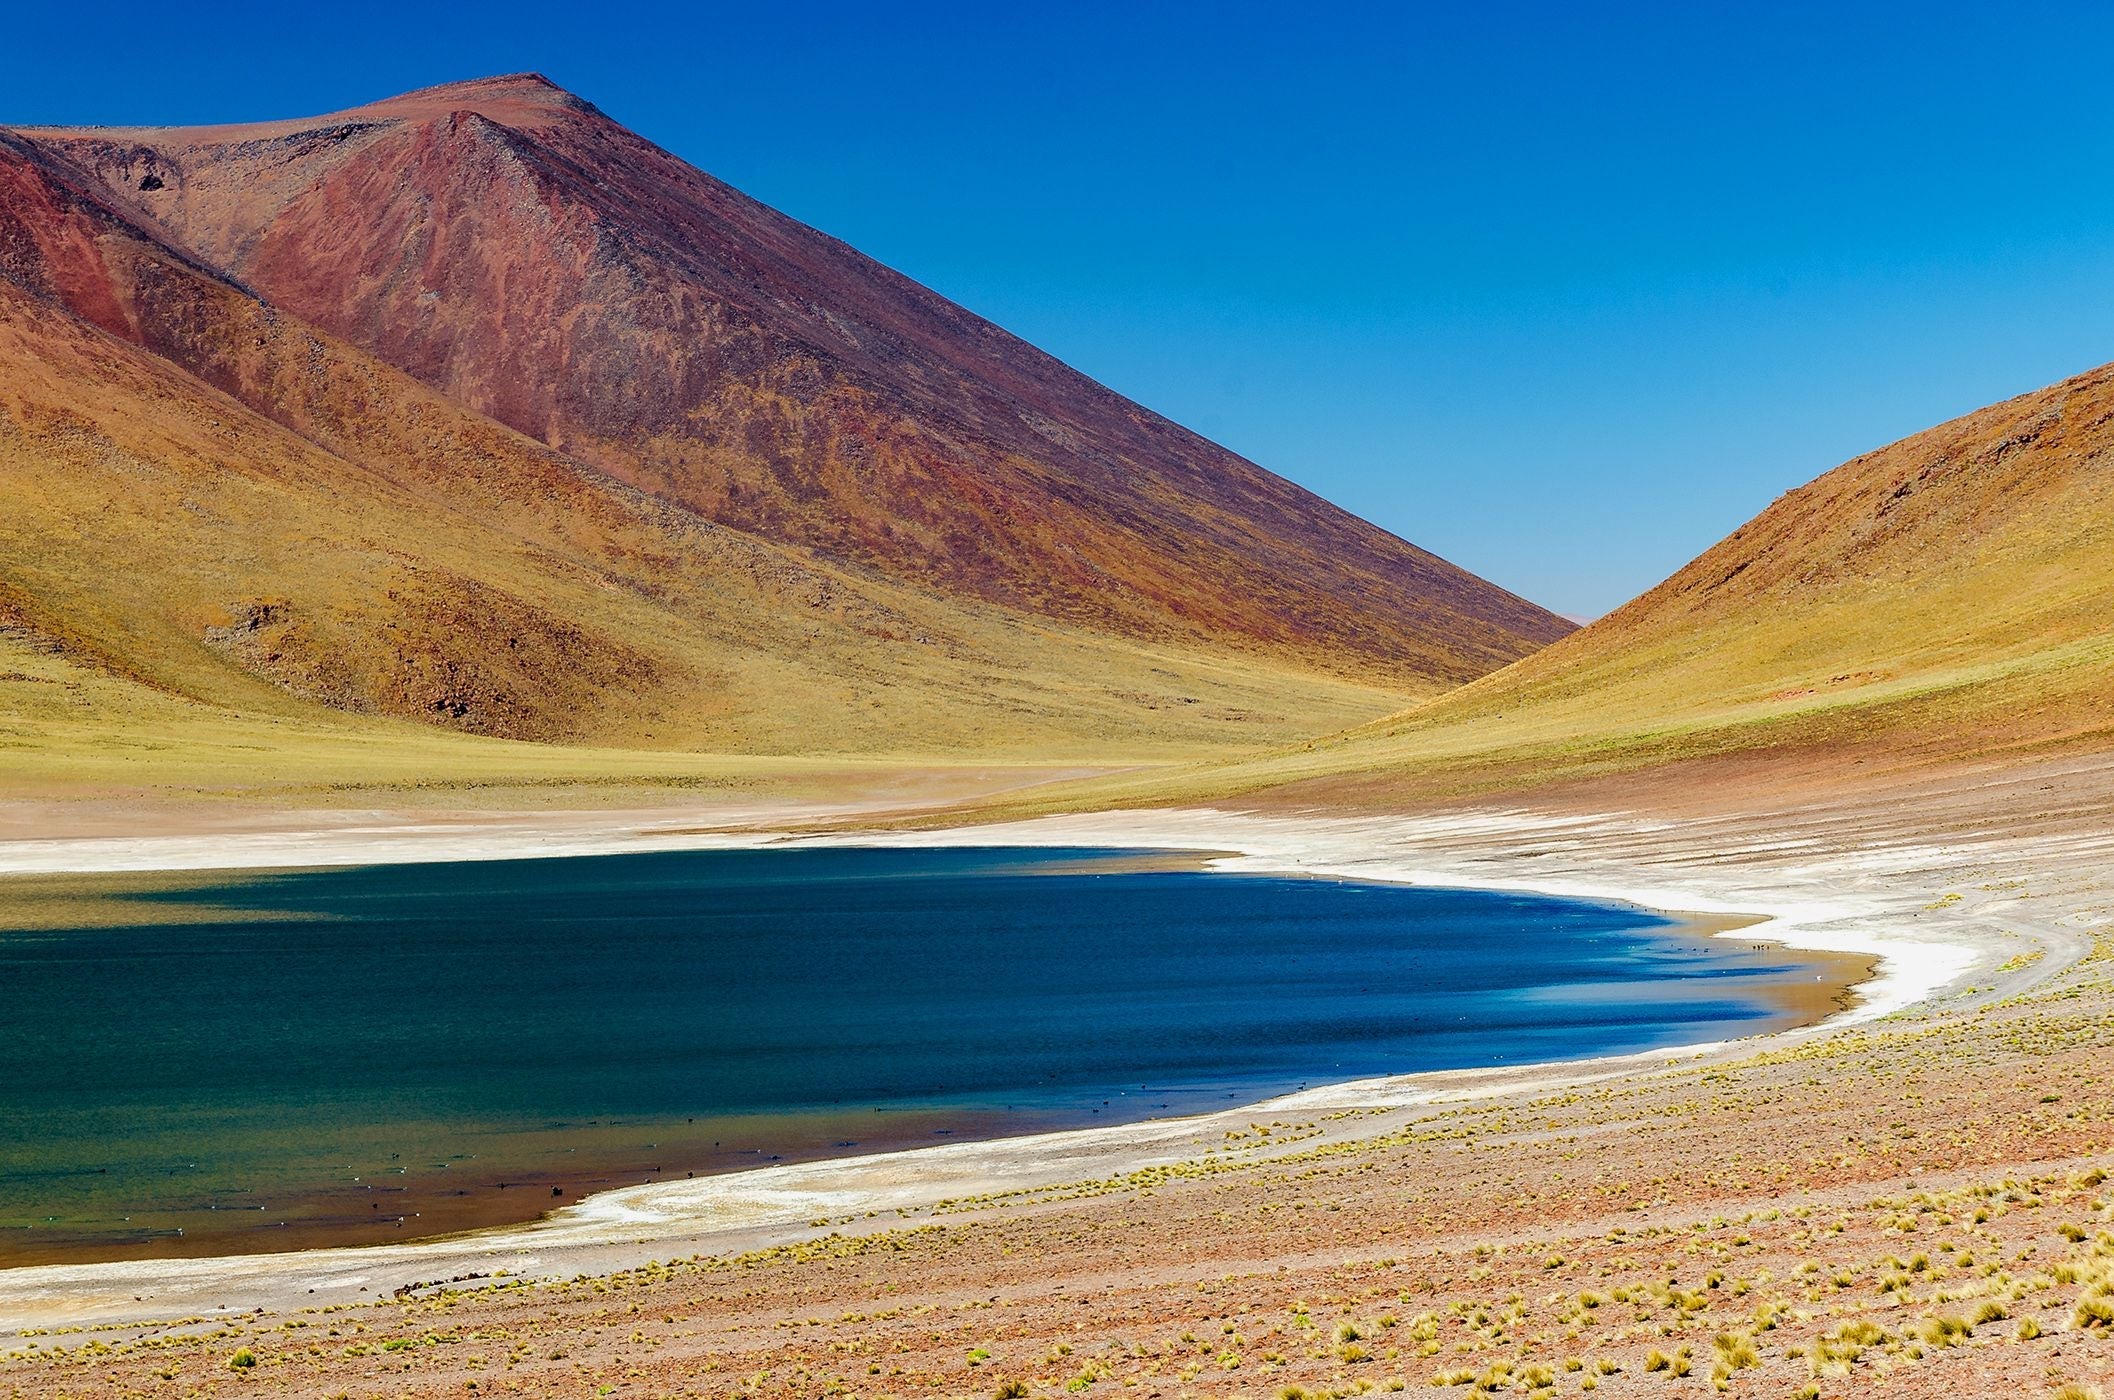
<point>225,515</point>
<point>1944,599</point>
<point>508,245</point>
<point>372,552</point>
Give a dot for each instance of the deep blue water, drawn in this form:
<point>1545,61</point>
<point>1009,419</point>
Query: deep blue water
<point>435,1030</point>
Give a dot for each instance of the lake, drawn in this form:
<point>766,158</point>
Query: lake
<point>258,1061</point>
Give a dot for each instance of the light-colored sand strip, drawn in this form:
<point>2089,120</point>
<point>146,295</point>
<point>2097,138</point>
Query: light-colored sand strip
<point>332,839</point>
<point>1938,917</point>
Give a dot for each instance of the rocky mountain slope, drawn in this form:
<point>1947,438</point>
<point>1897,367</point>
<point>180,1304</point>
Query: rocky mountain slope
<point>508,245</point>
<point>474,410</point>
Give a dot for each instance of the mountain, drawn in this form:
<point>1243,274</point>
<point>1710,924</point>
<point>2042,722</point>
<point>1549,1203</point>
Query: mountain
<point>510,246</point>
<point>473,410</point>
<point>211,501</point>
<point>1944,600</point>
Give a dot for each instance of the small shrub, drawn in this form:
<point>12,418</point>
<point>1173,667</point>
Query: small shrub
<point>242,1360</point>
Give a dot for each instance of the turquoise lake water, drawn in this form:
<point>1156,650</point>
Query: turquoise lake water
<point>350,1055</point>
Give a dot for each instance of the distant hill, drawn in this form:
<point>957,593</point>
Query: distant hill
<point>472,408</point>
<point>1948,598</point>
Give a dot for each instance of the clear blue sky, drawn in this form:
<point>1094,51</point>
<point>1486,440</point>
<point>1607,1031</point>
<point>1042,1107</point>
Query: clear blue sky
<point>1562,292</point>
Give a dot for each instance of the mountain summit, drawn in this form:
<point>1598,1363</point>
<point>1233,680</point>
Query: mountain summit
<point>502,253</point>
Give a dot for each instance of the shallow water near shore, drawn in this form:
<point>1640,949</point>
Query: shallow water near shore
<point>220,1064</point>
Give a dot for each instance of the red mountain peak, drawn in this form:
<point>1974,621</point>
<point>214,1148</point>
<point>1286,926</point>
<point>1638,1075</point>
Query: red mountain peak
<point>527,100</point>
<point>508,245</point>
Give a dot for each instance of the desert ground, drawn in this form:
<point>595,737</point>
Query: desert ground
<point>1910,1198</point>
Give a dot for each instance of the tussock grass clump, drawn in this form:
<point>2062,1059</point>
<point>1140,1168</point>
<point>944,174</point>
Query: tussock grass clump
<point>2094,1310</point>
<point>1833,1354</point>
<point>1736,1350</point>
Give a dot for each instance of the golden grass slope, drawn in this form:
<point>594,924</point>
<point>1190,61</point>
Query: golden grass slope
<point>177,571</point>
<point>1946,598</point>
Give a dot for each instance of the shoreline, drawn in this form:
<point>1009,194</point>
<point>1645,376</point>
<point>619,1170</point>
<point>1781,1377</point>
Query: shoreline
<point>1343,847</point>
<point>758,1207</point>
<point>262,1212</point>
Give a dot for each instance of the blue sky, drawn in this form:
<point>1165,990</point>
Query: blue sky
<point>1562,292</point>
